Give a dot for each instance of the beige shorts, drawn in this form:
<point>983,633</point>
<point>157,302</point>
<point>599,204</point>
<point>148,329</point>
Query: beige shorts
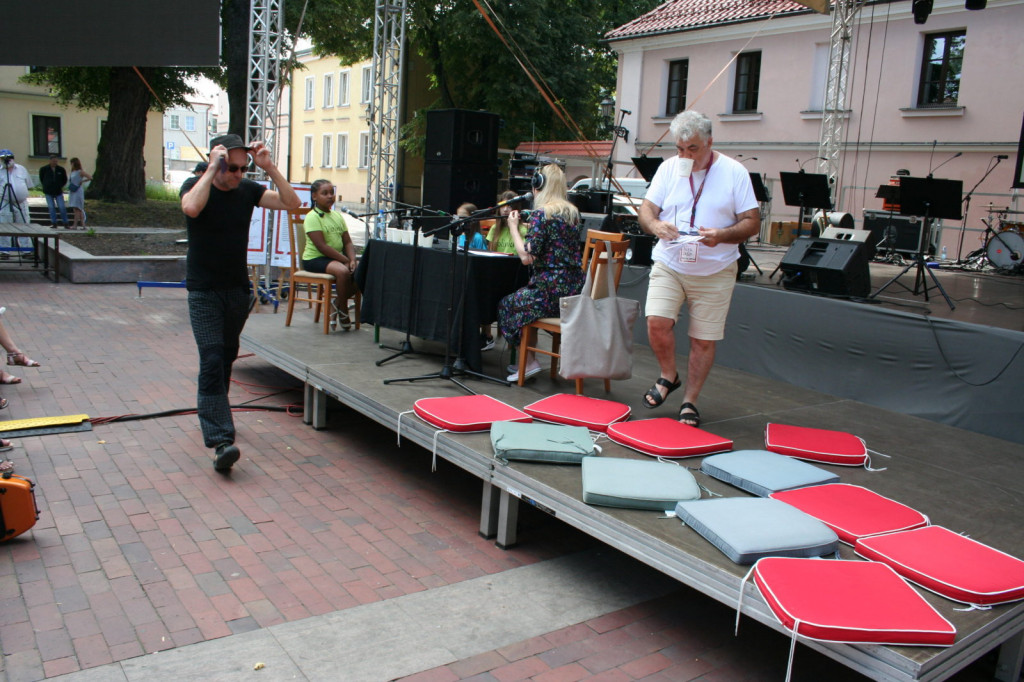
<point>708,298</point>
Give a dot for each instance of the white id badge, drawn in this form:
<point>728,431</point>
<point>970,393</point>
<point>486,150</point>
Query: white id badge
<point>688,253</point>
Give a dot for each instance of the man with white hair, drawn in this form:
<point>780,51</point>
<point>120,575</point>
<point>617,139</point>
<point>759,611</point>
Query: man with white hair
<point>700,206</point>
<point>14,176</point>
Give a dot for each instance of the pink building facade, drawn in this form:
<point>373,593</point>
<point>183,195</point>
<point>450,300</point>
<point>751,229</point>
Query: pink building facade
<point>916,95</point>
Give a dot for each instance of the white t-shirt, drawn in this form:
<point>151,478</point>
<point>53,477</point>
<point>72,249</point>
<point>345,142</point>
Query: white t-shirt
<point>727,192</point>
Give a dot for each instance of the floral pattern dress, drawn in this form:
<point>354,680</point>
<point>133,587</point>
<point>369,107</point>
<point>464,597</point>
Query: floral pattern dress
<point>557,250</point>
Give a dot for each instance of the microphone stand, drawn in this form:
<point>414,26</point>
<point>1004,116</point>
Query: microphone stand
<point>454,365</point>
<point>967,208</point>
<point>405,348</point>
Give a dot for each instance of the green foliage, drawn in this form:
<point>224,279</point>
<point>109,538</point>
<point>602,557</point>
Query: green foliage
<point>89,87</point>
<point>161,192</point>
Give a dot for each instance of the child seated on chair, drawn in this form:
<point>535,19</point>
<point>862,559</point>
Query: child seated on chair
<point>470,230</point>
<point>329,248</point>
<point>500,238</point>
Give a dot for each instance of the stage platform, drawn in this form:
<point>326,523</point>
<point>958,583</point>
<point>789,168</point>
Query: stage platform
<point>966,481</point>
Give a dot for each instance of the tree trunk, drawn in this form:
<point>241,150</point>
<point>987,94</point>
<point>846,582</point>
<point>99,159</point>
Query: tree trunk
<point>236,59</point>
<point>120,166</point>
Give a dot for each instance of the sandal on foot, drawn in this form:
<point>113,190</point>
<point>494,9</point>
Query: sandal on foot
<point>8,379</point>
<point>6,466</point>
<point>4,402</point>
<point>654,398</point>
<point>21,360</point>
<point>340,317</point>
<point>5,446</point>
<point>690,418</point>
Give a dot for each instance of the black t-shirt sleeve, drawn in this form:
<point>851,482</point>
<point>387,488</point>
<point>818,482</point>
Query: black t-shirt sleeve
<point>187,185</point>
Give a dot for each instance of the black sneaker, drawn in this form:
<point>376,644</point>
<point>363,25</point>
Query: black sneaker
<point>226,455</point>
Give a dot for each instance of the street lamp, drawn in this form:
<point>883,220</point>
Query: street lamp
<point>608,111</point>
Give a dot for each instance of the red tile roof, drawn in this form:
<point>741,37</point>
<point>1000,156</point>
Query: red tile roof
<point>578,149</point>
<point>686,15</point>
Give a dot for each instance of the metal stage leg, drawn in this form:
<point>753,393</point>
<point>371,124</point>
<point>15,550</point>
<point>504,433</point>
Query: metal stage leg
<point>1011,659</point>
<point>489,510</point>
<point>314,406</point>
<point>508,519</point>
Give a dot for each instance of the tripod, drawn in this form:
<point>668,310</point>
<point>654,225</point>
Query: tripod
<point>454,365</point>
<point>928,198</point>
<point>406,348</point>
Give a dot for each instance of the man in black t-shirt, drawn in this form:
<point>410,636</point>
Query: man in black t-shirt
<point>218,206</point>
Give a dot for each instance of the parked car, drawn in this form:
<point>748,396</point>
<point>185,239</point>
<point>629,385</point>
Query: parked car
<point>635,187</point>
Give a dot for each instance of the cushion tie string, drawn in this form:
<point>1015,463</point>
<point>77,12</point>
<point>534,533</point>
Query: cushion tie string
<point>739,602</point>
<point>399,431</point>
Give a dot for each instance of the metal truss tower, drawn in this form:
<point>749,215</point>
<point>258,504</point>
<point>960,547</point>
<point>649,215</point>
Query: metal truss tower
<point>384,114</point>
<point>834,109</point>
<point>266,19</point>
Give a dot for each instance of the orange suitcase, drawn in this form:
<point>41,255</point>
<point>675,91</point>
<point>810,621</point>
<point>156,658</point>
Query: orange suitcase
<point>18,511</point>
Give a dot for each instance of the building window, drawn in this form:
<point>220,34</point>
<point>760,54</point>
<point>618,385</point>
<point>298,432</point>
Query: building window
<point>328,90</point>
<point>325,152</point>
<point>175,124</point>
<point>46,136</point>
<point>364,149</point>
<point>342,150</point>
<point>677,73</point>
<point>367,85</point>
<point>343,89</point>
<point>190,123</point>
<point>940,69</point>
<point>307,151</point>
<point>748,77</point>
<point>309,93</point>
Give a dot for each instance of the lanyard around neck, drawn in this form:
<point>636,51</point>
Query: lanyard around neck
<point>697,194</point>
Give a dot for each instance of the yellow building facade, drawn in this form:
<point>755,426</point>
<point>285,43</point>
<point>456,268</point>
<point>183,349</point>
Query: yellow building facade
<point>35,126</point>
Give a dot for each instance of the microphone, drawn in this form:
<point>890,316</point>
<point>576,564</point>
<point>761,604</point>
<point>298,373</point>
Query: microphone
<point>522,197</point>
<point>749,158</point>
<point>1002,156</point>
<point>626,111</point>
<point>813,158</point>
<point>957,155</point>
<point>350,212</point>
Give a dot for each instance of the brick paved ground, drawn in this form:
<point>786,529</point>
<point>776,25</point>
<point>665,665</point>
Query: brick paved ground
<point>142,547</point>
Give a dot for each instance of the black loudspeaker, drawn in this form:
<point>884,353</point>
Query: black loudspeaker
<point>640,248</point>
<point>447,185</point>
<point>462,136</point>
<point>907,231</point>
<point>826,266</point>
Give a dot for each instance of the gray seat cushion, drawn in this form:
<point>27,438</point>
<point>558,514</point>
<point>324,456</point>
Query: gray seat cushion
<point>547,443</point>
<point>762,473</point>
<point>746,529</point>
<point>636,483</point>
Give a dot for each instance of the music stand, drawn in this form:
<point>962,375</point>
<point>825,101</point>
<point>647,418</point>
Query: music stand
<point>806,190</point>
<point>929,198</point>
<point>646,166</point>
<point>762,196</point>
<point>889,194</point>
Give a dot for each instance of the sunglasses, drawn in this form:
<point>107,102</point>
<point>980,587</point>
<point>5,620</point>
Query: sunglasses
<point>232,168</point>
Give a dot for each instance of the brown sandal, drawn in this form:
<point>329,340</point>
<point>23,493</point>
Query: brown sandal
<point>21,360</point>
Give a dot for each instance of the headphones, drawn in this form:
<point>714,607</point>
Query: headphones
<point>538,180</point>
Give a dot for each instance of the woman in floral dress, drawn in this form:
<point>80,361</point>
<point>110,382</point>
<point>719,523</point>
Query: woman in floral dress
<point>553,248</point>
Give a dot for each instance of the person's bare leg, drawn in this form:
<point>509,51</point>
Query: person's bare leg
<point>661,334</point>
<point>698,367</point>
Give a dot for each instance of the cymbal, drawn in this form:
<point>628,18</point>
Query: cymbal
<point>1006,210</point>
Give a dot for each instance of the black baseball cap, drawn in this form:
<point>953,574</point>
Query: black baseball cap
<point>201,167</point>
<point>230,141</point>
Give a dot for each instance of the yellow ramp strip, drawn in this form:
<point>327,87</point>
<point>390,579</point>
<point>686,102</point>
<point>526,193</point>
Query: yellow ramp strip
<point>42,422</point>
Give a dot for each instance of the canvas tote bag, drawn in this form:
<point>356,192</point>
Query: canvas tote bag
<point>597,334</point>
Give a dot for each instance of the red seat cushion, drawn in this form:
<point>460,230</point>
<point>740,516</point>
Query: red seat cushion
<point>467,412</point>
<point>816,445</point>
<point>664,437</point>
<point>852,511</point>
<point>949,564</point>
<point>849,601</point>
<point>578,410</point>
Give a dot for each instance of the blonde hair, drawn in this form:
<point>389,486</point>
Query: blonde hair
<point>551,198</point>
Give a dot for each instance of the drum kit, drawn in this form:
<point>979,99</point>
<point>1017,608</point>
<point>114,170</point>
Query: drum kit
<point>1004,243</point>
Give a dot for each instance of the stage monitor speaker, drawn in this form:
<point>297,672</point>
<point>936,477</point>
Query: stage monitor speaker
<point>850,235</point>
<point>640,248</point>
<point>462,136</point>
<point>827,266</point>
<point>447,185</point>
<point>908,231</point>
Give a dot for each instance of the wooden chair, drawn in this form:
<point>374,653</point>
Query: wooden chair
<point>594,236</point>
<point>317,287</point>
<point>596,259</point>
